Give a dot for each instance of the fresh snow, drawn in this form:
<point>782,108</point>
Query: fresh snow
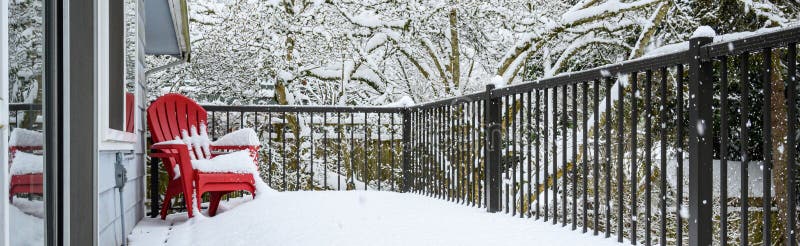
<point>235,162</point>
<point>353,218</point>
<point>704,31</point>
<point>26,216</point>
<point>25,137</point>
<point>26,163</point>
<point>498,82</point>
<point>241,137</point>
<point>404,101</point>
<point>170,142</point>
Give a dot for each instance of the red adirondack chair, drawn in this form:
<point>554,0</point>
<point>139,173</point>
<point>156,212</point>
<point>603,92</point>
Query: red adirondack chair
<point>30,142</point>
<point>167,118</point>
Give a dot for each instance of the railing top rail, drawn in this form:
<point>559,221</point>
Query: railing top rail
<point>753,42</point>
<point>611,70</point>
<point>304,108</point>
<point>24,106</point>
<point>477,96</point>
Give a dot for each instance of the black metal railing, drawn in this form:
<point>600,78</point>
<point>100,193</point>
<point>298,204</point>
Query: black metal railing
<point>25,115</point>
<point>644,149</point>
<point>313,148</point>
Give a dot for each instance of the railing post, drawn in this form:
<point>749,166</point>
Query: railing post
<point>406,150</point>
<point>155,198</point>
<point>701,148</point>
<point>493,130</point>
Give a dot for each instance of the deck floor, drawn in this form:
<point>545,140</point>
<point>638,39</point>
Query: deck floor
<point>353,218</point>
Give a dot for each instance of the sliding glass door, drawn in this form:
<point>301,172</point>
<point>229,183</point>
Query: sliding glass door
<point>26,121</point>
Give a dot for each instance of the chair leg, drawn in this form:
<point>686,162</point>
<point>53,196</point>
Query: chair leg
<point>215,199</point>
<point>165,206</point>
<point>187,194</point>
<point>199,199</point>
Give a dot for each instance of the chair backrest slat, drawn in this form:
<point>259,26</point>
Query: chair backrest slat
<point>171,114</point>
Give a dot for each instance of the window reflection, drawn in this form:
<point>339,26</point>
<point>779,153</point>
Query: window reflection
<point>26,141</point>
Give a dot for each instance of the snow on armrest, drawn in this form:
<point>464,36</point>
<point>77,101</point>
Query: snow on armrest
<point>171,142</point>
<point>236,162</point>
<point>241,137</point>
<point>26,163</point>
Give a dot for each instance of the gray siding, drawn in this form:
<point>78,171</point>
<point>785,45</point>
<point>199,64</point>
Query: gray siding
<point>108,222</point>
<point>108,218</point>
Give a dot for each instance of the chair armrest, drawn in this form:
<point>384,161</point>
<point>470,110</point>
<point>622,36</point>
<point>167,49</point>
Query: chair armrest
<point>178,153</point>
<point>168,147</point>
<point>235,147</point>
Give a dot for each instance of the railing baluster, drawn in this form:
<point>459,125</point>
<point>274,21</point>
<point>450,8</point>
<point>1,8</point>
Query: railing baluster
<point>512,116</point>
<point>662,172</point>
<point>634,136</point>
<point>213,125</point>
<point>297,143</point>
<point>366,153</point>
<point>445,165</point>
<point>596,156</point>
<point>430,127</point>
<point>679,145</point>
<point>393,152</point>
<point>469,154</point>
<point>550,180</point>
<point>791,153</point>
<point>339,136</point>
<point>564,150</point>
<point>766,119</point>
<point>538,143</point>
<point>465,160</point>
<point>545,152</point>
<point>351,170</point>
<point>325,150</point>
<point>574,95</point>
<point>585,153</point>
<point>283,138</point>
<point>270,129</point>
<point>379,168</point>
<point>478,126</point>
<point>442,152</point>
<point>608,82</point>
<point>528,133</point>
<point>620,157</point>
<point>648,143</point>
<point>723,152</point>
<point>311,151</point>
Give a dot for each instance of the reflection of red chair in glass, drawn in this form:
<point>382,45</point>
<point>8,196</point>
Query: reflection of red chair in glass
<point>26,162</point>
<point>24,151</point>
<point>129,124</point>
<point>171,117</point>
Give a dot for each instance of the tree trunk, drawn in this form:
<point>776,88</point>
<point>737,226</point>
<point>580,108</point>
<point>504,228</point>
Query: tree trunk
<point>455,55</point>
<point>29,119</point>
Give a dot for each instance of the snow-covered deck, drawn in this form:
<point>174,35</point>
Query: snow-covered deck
<point>353,218</point>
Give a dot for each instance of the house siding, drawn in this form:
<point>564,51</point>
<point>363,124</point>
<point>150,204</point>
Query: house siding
<point>109,221</point>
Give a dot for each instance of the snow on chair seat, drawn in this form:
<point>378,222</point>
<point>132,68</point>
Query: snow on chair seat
<point>25,169</point>
<point>21,137</point>
<point>26,163</point>
<point>235,162</point>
